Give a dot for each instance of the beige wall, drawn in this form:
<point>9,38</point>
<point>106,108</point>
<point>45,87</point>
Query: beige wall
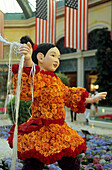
<point>60,28</point>
<point>14,29</point>
<point>100,16</point>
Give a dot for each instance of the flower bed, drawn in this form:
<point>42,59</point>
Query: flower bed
<point>97,157</point>
<point>109,116</point>
<point>99,153</point>
<point>4,132</point>
<point>102,118</point>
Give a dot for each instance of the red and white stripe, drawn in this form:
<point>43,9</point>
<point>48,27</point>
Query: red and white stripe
<point>76,26</point>
<point>46,29</point>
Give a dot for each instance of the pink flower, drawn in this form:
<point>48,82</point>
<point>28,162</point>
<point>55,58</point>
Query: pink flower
<point>99,166</point>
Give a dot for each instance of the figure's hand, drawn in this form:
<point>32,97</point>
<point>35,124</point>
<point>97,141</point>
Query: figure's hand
<point>96,98</point>
<point>26,49</point>
<point>99,96</point>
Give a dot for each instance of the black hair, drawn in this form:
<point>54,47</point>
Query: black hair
<point>43,48</point>
<point>25,39</point>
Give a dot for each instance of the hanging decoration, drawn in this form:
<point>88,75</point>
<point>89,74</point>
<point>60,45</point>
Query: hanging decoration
<point>14,45</point>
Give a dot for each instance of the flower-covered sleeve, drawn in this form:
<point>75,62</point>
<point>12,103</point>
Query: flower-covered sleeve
<point>26,81</point>
<point>74,98</point>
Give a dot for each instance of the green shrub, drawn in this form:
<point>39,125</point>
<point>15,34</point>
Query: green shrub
<point>104,64</point>
<point>3,165</point>
<point>63,78</point>
<point>24,110</point>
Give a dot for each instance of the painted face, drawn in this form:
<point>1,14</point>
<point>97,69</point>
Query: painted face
<point>51,60</point>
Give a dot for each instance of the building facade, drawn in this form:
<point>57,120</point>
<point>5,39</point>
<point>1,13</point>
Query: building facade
<point>78,65</point>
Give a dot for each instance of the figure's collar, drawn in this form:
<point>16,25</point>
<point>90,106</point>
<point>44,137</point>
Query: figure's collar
<point>27,70</point>
<point>48,73</point>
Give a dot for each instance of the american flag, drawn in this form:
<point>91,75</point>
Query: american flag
<point>45,21</point>
<point>76,24</point>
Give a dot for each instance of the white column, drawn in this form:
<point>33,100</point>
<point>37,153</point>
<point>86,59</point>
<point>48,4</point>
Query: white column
<point>80,70</point>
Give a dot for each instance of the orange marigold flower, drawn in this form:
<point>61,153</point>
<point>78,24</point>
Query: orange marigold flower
<point>50,96</point>
<point>67,138</point>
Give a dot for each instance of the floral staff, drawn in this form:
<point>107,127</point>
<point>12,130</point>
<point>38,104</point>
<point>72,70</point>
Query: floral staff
<point>46,138</point>
<point>17,45</point>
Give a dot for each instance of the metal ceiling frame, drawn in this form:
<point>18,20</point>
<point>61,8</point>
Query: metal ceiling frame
<point>24,4</point>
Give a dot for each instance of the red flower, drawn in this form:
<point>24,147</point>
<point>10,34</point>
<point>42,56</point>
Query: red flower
<point>84,95</point>
<point>15,68</point>
<point>2,109</point>
<point>70,152</point>
<point>80,106</point>
<point>35,47</point>
<point>53,158</point>
<point>48,73</point>
<point>47,161</point>
<point>26,70</point>
<point>58,157</point>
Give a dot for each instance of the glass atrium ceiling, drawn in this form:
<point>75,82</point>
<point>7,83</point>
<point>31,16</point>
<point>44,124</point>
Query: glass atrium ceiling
<point>12,6</point>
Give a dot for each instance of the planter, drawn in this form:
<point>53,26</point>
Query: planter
<point>100,124</point>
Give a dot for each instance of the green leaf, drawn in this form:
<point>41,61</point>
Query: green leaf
<point>23,110</point>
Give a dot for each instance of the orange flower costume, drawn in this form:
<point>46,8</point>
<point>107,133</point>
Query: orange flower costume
<point>46,136</point>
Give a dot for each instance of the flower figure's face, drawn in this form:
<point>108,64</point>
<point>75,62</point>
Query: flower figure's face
<point>51,60</point>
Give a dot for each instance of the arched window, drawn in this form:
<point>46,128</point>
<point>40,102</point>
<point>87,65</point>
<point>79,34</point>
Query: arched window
<point>92,43</point>
<point>92,40</point>
<point>62,48</point>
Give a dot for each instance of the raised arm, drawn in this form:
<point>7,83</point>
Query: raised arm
<point>75,98</point>
<point>26,49</point>
<point>96,98</point>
